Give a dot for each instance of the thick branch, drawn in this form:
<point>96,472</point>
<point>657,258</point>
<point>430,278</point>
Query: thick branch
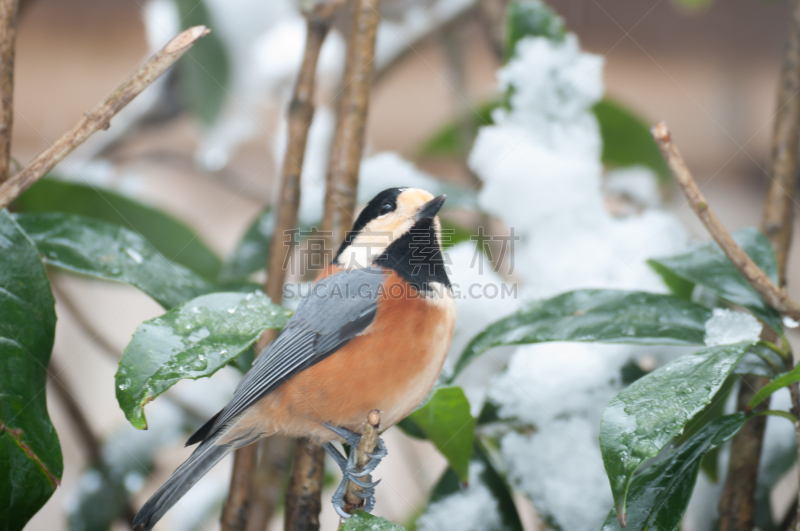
<point>369,438</point>
<point>254,493</point>
<point>303,497</point>
<point>99,117</point>
<point>8,35</point>
<point>342,181</point>
<point>774,296</point>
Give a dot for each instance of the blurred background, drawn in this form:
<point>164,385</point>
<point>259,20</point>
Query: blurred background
<point>210,158</point>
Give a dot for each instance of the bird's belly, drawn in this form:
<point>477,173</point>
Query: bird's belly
<point>391,369</point>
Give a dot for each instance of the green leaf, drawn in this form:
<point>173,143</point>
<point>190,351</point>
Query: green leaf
<point>531,18</point>
<point>361,521</point>
<point>29,450</point>
<point>658,496</point>
<point>708,266</point>
<point>192,341</point>
<point>784,380</point>
<point>449,140</point>
<point>446,420</point>
<point>174,239</point>
<point>102,250</point>
<point>252,251</point>
<point>205,69</point>
<point>627,140</point>
<point>609,316</point>
<point>642,419</point>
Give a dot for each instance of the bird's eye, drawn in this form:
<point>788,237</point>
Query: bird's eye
<point>386,208</point>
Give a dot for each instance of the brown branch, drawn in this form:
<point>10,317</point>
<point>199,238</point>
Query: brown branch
<point>8,35</point>
<point>89,441</point>
<point>774,296</point>
<point>369,438</point>
<point>493,20</point>
<point>99,117</point>
<point>303,497</point>
<point>342,180</point>
<point>254,493</point>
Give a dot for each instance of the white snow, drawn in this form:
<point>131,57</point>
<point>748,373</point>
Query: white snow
<point>471,509</point>
<point>726,327</point>
<point>638,183</point>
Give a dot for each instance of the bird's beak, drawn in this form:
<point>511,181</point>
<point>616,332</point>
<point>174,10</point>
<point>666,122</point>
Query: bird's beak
<point>431,208</point>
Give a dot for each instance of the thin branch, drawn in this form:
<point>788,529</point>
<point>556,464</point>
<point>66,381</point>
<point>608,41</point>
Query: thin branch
<point>89,441</point>
<point>254,493</point>
<point>366,446</point>
<point>493,20</point>
<point>774,296</point>
<point>305,484</point>
<point>99,117</point>
<point>342,181</point>
<point>8,35</point>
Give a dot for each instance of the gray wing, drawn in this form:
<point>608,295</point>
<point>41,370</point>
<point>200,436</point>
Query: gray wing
<point>338,308</point>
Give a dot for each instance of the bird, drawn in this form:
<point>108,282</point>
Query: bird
<point>372,334</point>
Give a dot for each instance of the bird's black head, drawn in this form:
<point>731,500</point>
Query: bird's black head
<point>399,229</point>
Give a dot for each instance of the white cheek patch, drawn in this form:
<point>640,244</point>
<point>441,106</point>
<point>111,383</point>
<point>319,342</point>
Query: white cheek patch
<point>371,243</point>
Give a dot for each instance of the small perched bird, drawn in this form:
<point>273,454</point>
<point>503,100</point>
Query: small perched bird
<point>372,334</point>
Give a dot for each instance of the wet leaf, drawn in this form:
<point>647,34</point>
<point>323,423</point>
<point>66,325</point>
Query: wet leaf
<point>361,521</point>
<point>784,380</point>
<point>29,449</point>
<point>608,316</point>
<point>110,252</point>
<point>171,237</point>
<point>192,341</point>
<point>639,422</point>
<point>658,496</point>
<point>252,251</point>
<point>708,266</point>
<point>447,422</point>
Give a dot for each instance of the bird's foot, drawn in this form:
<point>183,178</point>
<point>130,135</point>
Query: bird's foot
<point>350,472</point>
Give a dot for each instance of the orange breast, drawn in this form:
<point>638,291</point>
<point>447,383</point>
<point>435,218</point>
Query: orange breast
<point>390,367</point>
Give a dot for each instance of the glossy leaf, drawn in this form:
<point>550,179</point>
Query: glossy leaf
<point>627,140</point>
<point>361,521</point>
<point>192,341</point>
<point>174,239</point>
<point>708,266</point>
<point>205,69</point>
<point>29,450</point>
<point>639,422</point>
<point>784,380</point>
<point>658,496</point>
<point>252,251</point>
<point>609,316</point>
<point>531,18</point>
<point>110,252</point>
<point>447,422</point>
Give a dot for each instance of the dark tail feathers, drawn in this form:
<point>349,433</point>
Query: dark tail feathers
<point>202,459</point>
<point>204,431</point>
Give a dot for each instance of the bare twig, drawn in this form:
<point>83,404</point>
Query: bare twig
<point>342,180</point>
<point>254,493</point>
<point>8,35</point>
<point>99,117</point>
<point>89,442</point>
<point>303,503</point>
<point>369,438</point>
<point>774,296</point>
<point>493,20</point>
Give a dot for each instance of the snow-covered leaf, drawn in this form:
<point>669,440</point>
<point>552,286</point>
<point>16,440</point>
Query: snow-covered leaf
<point>639,422</point>
<point>192,341</point>
<point>29,450</point>
<point>609,316</point>
<point>110,252</point>
<point>658,496</point>
<point>252,251</point>
<point>171,237</point>
<point>361,521</point>
<point>446,420</point>
<point>531,18</point>
<point>708,266</point>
